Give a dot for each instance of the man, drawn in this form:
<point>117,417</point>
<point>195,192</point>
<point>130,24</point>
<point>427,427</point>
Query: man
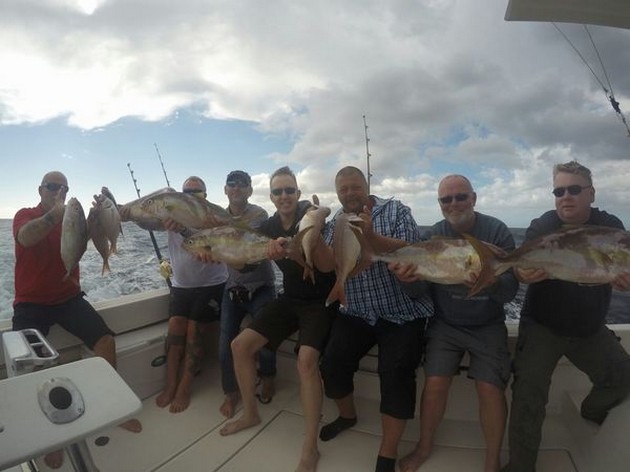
<point>43,295</point>
<point>301,307</point>
<point>562,318</point>
<point>461,325</point>
<point>247,291</point>
<point>195,302</point>
<point>378,312</point>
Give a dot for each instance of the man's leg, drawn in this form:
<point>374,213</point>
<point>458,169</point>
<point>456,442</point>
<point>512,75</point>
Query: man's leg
<point>432,408</point>
<point>231,318</point>
<point>244,348</point>
<point>311,396</point>
<point>175,345</point>
<point>193,354</point>
<point>106,348</point>
<point>393,429</point>
<point>492,415</point>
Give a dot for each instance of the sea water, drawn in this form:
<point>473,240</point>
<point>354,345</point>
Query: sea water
<point>136,268</point>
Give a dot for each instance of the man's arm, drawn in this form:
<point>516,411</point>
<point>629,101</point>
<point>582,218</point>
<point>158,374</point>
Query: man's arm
<point>35,230</point>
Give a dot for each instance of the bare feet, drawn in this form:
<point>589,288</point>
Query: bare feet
<point>54,459</point>
<point>239,424</point>
<point>412,461</point>
<point>228,408</point>
<point>267,390</point>
<point>132,425</point>
<point>181,400</point>
<point>165,397</point>
<point>309,463</point>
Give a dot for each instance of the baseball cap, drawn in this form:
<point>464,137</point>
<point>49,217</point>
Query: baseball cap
<point>239,176</point>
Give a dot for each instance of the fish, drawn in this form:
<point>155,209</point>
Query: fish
<point>133,211</point>
<point>305,241</point>
<point>187,210</point>
<point>585,254</point>
<point>350,252</point>
<point>104,227</point>
<point>448,261</point>
<point>107,193</point>
<point>74,235</point>
<point>230,244</point>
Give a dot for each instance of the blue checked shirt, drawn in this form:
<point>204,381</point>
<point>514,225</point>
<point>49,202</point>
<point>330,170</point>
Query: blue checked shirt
<point>376,292</point>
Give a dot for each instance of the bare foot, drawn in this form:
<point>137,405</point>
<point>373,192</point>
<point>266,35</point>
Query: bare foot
<point>238,425</point>
<point>181,400</point>
<point>54,459</point>
<point>132,425</point>
<point>412,461</point>
<point>308,464</point>
<point>228,408</point>
<point>165,397</point>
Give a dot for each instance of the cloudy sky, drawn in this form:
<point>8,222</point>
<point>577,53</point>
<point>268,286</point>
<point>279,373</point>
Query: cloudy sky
<point>90,86</point>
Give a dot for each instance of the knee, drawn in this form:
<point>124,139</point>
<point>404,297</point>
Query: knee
<point>307,364</point>
<point>241,347</point>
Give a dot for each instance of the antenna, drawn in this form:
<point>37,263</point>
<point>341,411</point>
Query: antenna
<point>168,184</point>
<point>367,153</point>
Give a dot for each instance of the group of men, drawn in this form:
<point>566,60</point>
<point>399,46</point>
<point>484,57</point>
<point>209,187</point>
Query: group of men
<point>387,305</point>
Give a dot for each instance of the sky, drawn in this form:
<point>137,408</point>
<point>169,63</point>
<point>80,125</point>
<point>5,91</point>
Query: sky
<point>94,88</point>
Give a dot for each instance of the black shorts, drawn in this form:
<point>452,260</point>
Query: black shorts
<point>201,304</point>
<point>280,318</point>
<point>76,316</point>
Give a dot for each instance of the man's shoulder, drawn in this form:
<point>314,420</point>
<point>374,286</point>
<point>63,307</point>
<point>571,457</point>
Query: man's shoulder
<point>603,218</point>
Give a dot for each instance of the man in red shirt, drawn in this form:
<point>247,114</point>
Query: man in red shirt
<point>43,295</point>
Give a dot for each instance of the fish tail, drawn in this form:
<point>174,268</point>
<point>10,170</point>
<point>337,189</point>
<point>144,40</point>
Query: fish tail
<point>308,273</point>
<point>488,261</point>
<point>337,293</point>
<point>105,269</point>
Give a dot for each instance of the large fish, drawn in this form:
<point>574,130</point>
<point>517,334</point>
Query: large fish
<point>447,261</point>
<point>229,244</point>
<point>134,211</point>
<point>582,254</point>
<point>107,193</point>
<point>104,228</point>
<point>305,241</point>
<point>350,254</point>
<point>187,210</point>
<point>74,235</point>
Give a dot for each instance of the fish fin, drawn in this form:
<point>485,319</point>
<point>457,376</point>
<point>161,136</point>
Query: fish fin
<point>294,249</point>
<point>105,269</point>
<point>487,258</point>
<point>365,259</point>
<point>308,273</point>
<point>337,293</point>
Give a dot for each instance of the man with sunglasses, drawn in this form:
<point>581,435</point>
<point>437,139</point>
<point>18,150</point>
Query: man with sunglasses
<point>562,318</point>
<point>43,296</point>
<point>247,290</point>
<point>378,312</point>
<point>195,302</point>
<point>301,307</point>
<point>465,325</point>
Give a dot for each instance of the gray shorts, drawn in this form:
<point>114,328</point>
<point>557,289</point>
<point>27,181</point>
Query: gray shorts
<point>486,346</point>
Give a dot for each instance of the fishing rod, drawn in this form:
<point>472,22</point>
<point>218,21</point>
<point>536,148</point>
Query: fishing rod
<point>367,152</point>
<point>168,184</point>
<point>153,240</point>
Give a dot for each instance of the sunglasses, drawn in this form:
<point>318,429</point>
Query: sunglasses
<point>460,197</point>
<point>192,190</point>
<point>572,189</point>
<point>276,192</point>
<point>54,187</point>
<point>234,184</point>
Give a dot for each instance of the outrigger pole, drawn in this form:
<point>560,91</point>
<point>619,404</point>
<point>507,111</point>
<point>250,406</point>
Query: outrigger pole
<point>367,152</point>
<point>153,240</point>
<point>168,184</point>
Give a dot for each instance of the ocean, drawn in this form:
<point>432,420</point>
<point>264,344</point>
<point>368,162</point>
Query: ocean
<point>135,269</point>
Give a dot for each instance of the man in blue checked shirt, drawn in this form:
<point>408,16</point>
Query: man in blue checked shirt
<point>377,312</point>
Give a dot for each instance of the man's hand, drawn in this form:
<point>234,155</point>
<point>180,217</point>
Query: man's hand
<point>276,248</point>
<point>530,276</point>
<point>622,282</point>
<point>404,272</point>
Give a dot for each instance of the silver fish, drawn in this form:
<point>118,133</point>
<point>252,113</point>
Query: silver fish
<point>581,254</point>
<point>74,235</point>
<point>187,210</point>
<point>107,193</point>
<point>447,261</point>
<point>349,252</point>
<point>104,228</point>
<point>229,244</point>
<point>305,241</point>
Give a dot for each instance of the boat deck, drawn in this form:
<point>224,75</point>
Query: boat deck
<point>191,440</point>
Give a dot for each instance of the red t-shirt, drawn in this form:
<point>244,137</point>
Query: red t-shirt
<point>39,270</point>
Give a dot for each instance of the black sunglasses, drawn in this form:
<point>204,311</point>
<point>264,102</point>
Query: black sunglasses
<point>53,187</point>
<point>460,197</point>
<point>572,189</point>
<point>276,192</point>
<point>234,184</point>
<point>193,190</point>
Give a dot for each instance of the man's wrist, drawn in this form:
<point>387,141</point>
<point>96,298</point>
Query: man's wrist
<point>48,218</point>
